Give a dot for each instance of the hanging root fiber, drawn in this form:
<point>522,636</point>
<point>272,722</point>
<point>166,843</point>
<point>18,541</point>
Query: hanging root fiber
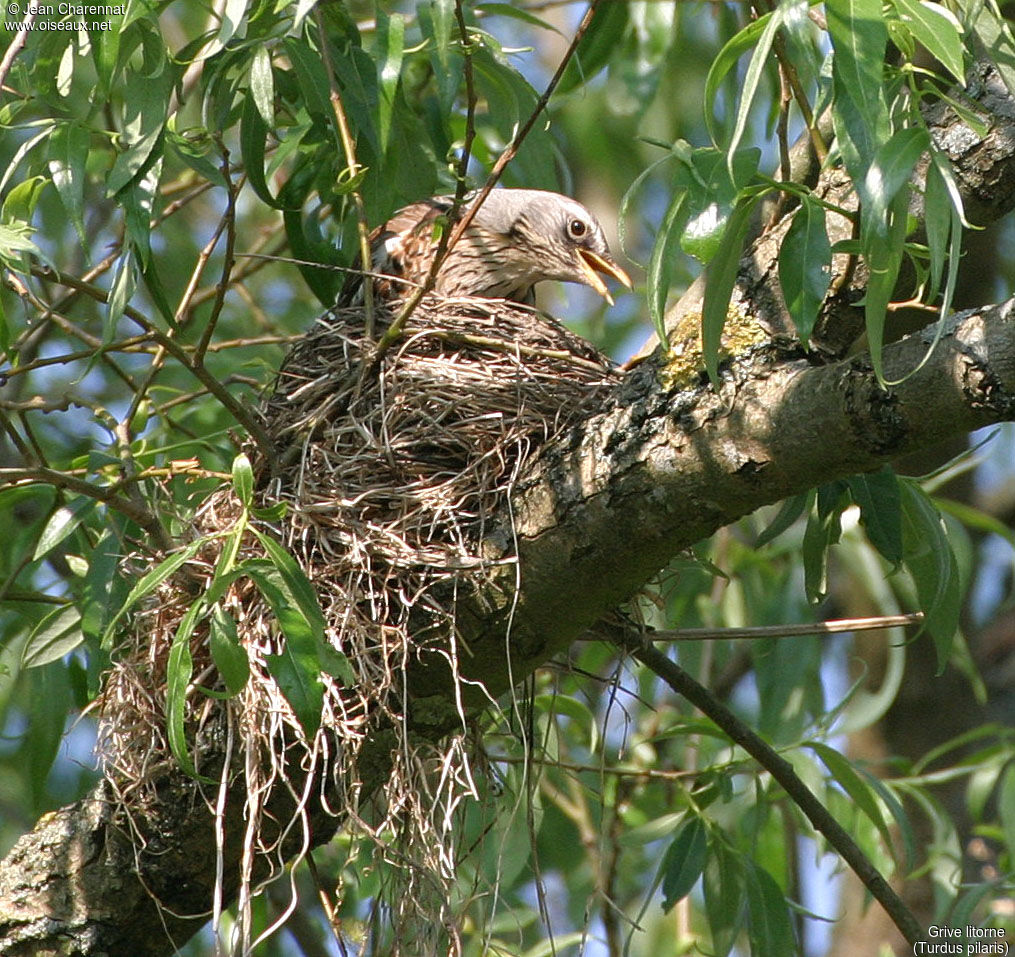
<point>384,476</point>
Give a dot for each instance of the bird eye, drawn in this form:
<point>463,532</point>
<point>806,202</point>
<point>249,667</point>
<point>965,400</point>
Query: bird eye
<point>576,229</point>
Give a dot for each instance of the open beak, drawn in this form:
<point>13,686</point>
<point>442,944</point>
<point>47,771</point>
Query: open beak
<point>591,264</point>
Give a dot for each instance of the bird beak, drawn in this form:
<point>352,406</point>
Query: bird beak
<point>590,264</point>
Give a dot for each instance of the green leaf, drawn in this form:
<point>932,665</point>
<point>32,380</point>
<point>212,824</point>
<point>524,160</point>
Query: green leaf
<point>61,523</point>
<point>660,267</point>
<point>296,669</point>
<point>262,85</point>
<point>57,634</point>
<point>995,36</point>
<point>232,20</point>
<point>120,292</point>
<point>714,183</point>
<point>506,10</point>
<point>297,583</point>
<point>19,204</point>
<point>179,669</point>
<point>879,499</point>
<point>860,113</point>
<point>150,581</point>
<point>725,61</point>
<point>601,39</point>
<point>889,172</point>
<point>103,586</point>
<point>789,511</point>
<point>883,254</point>
<point>937,30</point>
<point>719,280</point>
<point>937,218</point>
<point>684,861</point>
<point>296,675</point>
<point>138,199</point>
<point>822,531</point>
<point>311,77</point>
<point>724,897</point>
<point>146,106</point>
<point>769,928</point>
<point>49,704</point>
<point>253,133</point>
<point>391,46</point>
<point>752,78</point>
<point>930,560</point>
<point>68,153</point>
<point>851,782</point>
<point>229,655</point>
<point>243,479</point>
<point>192,147</point>
<point>804,266</point>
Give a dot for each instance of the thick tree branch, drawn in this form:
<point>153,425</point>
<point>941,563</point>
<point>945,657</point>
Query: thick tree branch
<point>780,769</point>
<point>595,517</point>
<point>602,510</point>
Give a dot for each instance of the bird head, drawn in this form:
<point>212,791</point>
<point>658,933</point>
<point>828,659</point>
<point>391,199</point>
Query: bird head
<point>543,235</point>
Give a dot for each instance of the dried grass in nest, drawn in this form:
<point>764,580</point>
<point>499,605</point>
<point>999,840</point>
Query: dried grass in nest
<point>389,475</point>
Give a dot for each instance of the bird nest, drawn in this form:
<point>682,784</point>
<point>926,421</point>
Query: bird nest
<point>390,470</point>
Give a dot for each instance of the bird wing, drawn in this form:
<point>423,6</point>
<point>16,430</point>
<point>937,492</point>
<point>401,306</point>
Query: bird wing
<point>402,247</point>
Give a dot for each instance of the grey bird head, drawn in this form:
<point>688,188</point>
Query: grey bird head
<point>517,238</point>
<point>523,236</point>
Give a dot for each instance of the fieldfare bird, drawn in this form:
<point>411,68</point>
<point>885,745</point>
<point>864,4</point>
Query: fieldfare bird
<point>517,238</point>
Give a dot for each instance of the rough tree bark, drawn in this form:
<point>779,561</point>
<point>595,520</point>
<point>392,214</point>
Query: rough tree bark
<point>596,516</point>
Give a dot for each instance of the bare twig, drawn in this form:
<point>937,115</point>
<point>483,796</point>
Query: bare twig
<point>349,148</point>
<point>838,626</point>
<point>107,495</point>
<point>177,351</point>
<point>20,38</point>
<point>509,152</point>
<point>228,259</point>
<point>780,769</point>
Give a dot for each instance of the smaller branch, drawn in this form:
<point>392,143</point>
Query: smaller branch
<point>838,626</point>
<point>20,38</point>
<point>349,148</point>
<point>510,151</point>
<point>178,352</point>
<point>228,260</point>
<point>108,496</point>
<point>788,75</point>
<point>782,771</point>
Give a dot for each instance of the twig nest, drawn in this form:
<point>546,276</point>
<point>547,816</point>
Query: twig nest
<point>389,466</point>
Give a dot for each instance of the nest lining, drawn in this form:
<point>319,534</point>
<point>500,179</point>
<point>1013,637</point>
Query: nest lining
<point>390,476</point>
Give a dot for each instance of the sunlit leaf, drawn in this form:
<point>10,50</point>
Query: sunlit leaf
<point>860,113</point>
<point>660,267</point>
<point>391,43</point>
<point>61,523</point>
<point>243,479</point>
<point>937,30</point>
<point>179,669</point>
<point>726,60</point>
<point>262,85</point>
<point>68,152</point>
<point>890,171</point>
<point>57,634</point>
